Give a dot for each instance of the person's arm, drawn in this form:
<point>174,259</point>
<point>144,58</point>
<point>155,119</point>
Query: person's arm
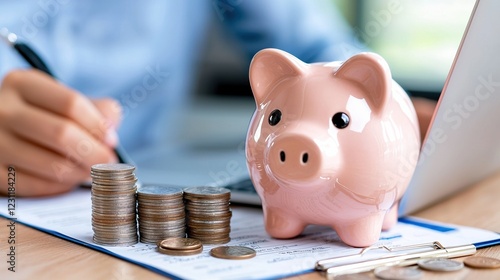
<point>52,134</point>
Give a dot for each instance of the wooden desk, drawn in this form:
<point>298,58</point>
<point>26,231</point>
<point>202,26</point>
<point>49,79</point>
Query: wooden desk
<point>42,256</point>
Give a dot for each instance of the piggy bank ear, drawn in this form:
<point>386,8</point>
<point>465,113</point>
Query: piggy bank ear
<point>372,73</point>
<point>268,68</point>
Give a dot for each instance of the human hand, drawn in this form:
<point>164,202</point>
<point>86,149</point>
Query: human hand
<point>52,134</point>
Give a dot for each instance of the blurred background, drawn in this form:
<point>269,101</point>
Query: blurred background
<point>418,39</point>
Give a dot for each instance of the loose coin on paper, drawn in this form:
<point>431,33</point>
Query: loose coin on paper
<point>177,246</point>
<point>398,273</point>
<point>353,276</point>
<point>180,243</point>
<point>233,252</point>
<point>482,262</point>
<point>180,252</point>
<point>440,264</point>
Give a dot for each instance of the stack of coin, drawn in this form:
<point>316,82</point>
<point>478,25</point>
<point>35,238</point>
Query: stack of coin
<point>208,214</point>
<point>113,204</point>
<point>161,213</point>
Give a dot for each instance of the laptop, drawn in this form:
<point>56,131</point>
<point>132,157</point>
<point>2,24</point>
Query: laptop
<point>462,145</point>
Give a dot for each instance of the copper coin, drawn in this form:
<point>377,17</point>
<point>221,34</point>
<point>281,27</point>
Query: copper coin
<point>233,252</point>
<point>180,252</point>
<point>482,262</point>
<point>180,243</point>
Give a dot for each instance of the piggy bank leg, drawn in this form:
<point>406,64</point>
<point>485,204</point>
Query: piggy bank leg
<point>282,225</point>
<point>391,217</point>
<point>362,232</point>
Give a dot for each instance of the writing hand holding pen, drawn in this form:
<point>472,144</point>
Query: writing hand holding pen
<point>52,134</point>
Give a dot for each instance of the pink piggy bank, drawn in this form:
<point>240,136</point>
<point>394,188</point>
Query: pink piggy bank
<point>330,144</point>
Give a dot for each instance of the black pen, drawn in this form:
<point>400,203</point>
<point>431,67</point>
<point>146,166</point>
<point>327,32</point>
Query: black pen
<point>36,62</point>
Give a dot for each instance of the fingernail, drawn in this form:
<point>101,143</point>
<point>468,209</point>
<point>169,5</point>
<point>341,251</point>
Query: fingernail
<point>111,138</point>
<point>114,158</point>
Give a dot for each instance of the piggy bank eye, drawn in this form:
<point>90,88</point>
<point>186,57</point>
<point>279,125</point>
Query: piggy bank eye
<point>275,117</point>
<point>340,120</point>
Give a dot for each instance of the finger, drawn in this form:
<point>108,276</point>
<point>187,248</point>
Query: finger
<point>110,109</point>
<point>41,90</point>
<point>29,185</point>
<point>46,164</point>
<point>58,134</point>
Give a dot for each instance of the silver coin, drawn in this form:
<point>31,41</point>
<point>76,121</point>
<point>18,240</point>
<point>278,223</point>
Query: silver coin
<point>159,190</point>
<point>353,276</point>
<point>112,167</point>
<point>397,273</point>
<point>129,176</point>
<point>160,218</point>
<point>162,231</point>
<point>440,264</point>
<point>162,224</point>
<point>206,191</point>
<point>112,185</point>
<point>210,202</point>
<point>163,235</point>
<point>155,239</point>
<point>192,208</point>
<point>120,243</point>
<point>116,238</point>
<point>172,205</point>
<point>161,212</point>
<point>115,227</point>
<point>160,203</point>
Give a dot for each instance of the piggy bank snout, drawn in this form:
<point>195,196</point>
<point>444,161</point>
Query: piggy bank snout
<point>294,157</point>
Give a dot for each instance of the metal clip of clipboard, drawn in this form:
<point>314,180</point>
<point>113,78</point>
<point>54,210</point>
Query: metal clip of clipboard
<point>337,266</point>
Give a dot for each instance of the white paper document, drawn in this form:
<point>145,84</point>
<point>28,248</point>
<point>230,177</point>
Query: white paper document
<point>69,216</point>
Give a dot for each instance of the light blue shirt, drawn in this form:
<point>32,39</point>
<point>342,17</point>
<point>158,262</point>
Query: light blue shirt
<point>144,53</point>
